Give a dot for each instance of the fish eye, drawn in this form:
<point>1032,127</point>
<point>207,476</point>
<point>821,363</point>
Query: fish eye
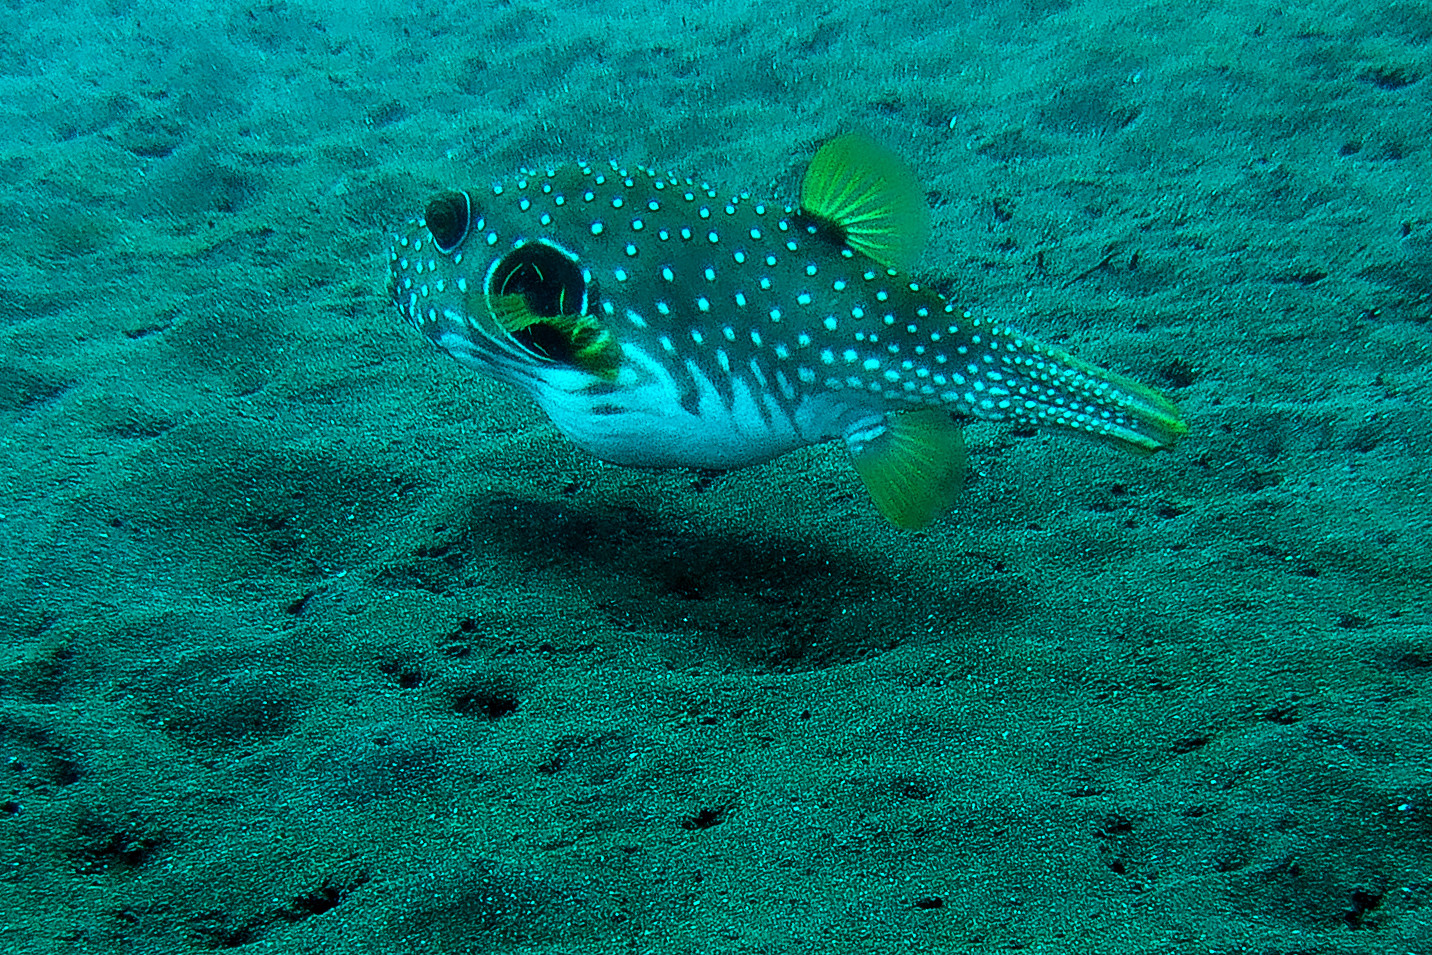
<point>448,216</point>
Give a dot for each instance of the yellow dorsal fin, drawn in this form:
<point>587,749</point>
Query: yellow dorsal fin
<point>914,468</point>
<point>869,193</point>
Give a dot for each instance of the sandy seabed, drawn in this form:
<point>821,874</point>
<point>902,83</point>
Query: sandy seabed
<point>314,642</point>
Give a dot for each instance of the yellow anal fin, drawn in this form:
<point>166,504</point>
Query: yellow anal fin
<point>871,196</point>
<point>913,467</point>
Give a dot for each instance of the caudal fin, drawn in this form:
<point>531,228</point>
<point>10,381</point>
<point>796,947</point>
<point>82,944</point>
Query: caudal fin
<point>1111,409</point>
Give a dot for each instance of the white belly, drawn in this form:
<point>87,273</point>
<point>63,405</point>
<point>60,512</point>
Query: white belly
<point>644,423</point>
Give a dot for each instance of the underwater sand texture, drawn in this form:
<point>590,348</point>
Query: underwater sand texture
<point>316,642</point>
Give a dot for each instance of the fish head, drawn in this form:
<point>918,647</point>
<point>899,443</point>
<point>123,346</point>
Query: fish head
<point>501,293</point>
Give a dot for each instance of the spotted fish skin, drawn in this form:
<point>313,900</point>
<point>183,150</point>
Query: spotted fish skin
<point>658,323</point>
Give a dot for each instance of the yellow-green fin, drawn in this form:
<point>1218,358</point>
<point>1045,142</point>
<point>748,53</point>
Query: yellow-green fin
<point>1155,422</point>
<point>915,468</point>
<point>871,195</point>
<point>572,339</point>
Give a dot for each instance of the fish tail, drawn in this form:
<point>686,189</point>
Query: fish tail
<point>1108,408</point>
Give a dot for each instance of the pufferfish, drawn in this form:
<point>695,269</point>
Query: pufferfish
<point>660,324</point>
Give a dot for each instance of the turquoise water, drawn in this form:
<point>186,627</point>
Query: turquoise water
<point>316,641</point>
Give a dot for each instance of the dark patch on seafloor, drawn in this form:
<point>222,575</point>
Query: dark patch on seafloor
<point>758,602</point>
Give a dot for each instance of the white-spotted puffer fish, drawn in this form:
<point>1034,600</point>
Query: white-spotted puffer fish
<point>660,325</point>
